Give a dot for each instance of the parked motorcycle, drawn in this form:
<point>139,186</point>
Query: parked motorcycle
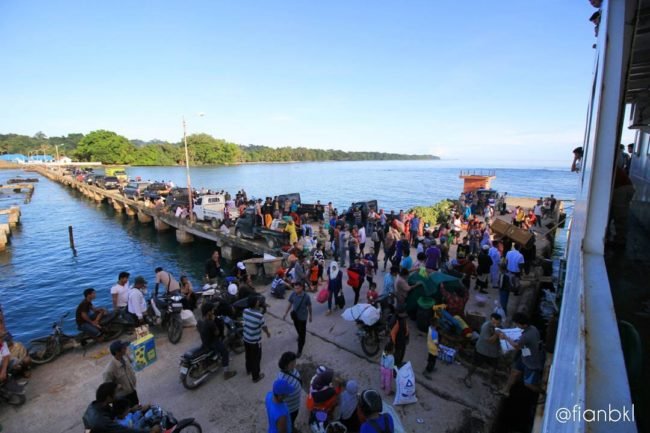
<point>198,363</point>
<point>12,392</point>
<point>166,312</point>
<point>372,335</point>
<point>44,349</point>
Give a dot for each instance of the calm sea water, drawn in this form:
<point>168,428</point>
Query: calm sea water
<point>40,279</point>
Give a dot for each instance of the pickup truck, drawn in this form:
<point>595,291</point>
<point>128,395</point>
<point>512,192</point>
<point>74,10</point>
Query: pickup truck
<point>156,190</point>
<point>314,211</point>
<point>246,228</point>
<point>135,190</point>
<point>212,207</point>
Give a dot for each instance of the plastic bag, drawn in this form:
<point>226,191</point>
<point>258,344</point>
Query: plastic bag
<point>368,314</point>
<point>322,296</point>
<point>188,319</point>
<point>405,384</point>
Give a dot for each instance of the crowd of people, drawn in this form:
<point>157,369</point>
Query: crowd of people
<point>348,244</point>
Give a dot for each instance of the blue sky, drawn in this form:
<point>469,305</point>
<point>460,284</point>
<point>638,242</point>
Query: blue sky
<point>505,79</point>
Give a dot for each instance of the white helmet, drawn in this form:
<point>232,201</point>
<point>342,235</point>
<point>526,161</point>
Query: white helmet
<point>232,289</point>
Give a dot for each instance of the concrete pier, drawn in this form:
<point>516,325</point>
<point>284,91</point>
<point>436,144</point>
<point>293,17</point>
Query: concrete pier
<point>144,218</point>
<point>129,211</point>
<point>160,225</point>
<point>184,237</point>
<point>14,216</point>
<point>119,207</point>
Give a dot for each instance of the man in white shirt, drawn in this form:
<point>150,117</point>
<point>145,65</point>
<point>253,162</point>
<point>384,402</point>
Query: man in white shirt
<point>119,292</point>
<point>136,302</point>
<point>362,239</point>
<point>166,279</point>
<point>514,264</point>
<point>5,354</point>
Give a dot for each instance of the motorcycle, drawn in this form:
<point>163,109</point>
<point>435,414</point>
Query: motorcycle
<point>166,312</point>
<point>168,423</point>
<point>12,392</point>
<point>371,336</point>
<point>198,363</point>
<point>44,349</point>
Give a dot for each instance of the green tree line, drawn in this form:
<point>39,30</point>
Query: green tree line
<point>111,148</point>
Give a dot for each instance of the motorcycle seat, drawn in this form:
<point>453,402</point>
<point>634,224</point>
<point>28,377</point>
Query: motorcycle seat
<point>195,352</point>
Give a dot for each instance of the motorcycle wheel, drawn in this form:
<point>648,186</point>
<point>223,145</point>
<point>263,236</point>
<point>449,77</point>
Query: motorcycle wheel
<point>113,332</point>
<point>188,378</point>
<point>174,329</point>
<point>193,427</point>
<point>370,343</point>
<point>44,351</point>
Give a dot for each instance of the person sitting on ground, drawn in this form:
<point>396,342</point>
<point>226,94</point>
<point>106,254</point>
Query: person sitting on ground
<point>211,330</point>
<point>323,391</point>
<point>189,297</point>
<point>372,406</point>
<point>276,407</point>
<point>280,284</point>
<point>88,317</point>
<point>20,362</point>
<point>349,405</point>
<point>98,416</point>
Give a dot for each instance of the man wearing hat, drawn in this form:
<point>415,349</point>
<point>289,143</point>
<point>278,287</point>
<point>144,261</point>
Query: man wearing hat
<point>276,408</point>
<point>120,371</point>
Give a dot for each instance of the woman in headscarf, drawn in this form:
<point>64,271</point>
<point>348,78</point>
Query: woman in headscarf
<point>349,403</point>
<point>291,229</point>
<point>323,393</point>
<point>334,284</point>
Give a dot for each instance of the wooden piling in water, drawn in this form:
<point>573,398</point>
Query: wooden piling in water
<point>71,236</point>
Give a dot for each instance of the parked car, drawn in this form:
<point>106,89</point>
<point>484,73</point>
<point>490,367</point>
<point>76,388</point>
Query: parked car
<point>135,190</point>
<point>212,208</point>
<point>108,182</point>
<point>94,178</point>
<point>156,190</point>
<point>179,197</point>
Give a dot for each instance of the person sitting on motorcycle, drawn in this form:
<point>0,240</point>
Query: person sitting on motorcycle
<point>99,414</point>
<point>136,305</point>
<point>88,317</point>
<point>211,330</point>
<point>20,362</point>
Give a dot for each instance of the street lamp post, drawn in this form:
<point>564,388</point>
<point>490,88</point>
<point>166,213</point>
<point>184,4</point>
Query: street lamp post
<point>187,170</point>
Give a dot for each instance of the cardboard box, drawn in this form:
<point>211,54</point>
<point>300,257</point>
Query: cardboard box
<point>144,352</point>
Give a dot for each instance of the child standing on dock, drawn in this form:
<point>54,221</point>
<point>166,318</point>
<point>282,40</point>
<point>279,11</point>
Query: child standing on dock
<point>432,347</point>
<point>387,363</point>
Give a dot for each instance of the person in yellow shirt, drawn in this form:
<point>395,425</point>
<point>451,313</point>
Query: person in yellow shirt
<point>291,229</point>
<point>519,216</point>
<point>432,346</point>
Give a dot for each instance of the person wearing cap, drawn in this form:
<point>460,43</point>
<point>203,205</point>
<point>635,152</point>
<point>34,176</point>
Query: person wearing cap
<point>120,371</point>
<point>300,307</point>
<point>276,407</point>
<point>242,275</point>
<point>119,292</point>
<point>136,304</point>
